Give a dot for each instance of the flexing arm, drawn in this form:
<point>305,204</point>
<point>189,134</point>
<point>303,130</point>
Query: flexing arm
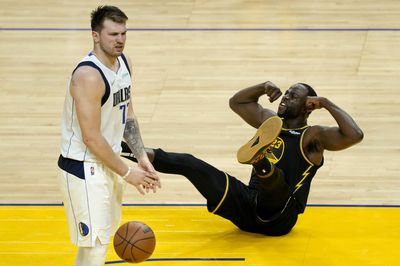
<point>245,103</point>
<point>87,89</point>
<point>335,138</point>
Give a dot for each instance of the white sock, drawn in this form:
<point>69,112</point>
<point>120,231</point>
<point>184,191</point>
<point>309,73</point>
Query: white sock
<point>91,256</point>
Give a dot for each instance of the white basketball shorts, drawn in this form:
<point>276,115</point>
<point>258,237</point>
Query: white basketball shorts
<point>92,204</point>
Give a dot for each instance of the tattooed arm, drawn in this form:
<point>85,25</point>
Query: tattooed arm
<point>133,138</point>
<point>132,133</point>
<point>87,88</point>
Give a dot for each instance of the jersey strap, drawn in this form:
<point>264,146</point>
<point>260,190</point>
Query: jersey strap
<point>91,64</point>
<point>126,63</point>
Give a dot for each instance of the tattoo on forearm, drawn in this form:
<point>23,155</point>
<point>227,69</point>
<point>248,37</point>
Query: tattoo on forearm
<point>133,138</point>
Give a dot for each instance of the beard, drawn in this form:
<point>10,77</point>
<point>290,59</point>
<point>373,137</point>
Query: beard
<point>288,113</point>
<point>111,51</point>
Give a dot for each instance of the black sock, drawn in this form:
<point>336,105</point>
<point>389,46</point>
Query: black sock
<point>207,179</point>
<point>127,153</point>
<point>262,167</point>
<point>165,163</point>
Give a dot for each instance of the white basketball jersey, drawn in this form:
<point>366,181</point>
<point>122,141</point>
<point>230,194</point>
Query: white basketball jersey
<point>114,108</point>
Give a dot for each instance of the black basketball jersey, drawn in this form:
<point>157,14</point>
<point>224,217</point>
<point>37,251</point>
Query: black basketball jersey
<point>287,154</point>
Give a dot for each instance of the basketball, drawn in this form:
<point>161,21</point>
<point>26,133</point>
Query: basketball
<point>134,241</point>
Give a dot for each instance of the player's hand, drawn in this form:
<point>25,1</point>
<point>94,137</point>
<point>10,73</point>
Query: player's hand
<point>314,102</point>
<point>145,164</point>
<point>272,91</point>
<point>142,179</point>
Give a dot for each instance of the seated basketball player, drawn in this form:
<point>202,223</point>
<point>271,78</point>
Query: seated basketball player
<point>285,154</point>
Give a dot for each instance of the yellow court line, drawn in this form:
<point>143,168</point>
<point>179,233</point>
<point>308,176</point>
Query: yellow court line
<point>323,236</point>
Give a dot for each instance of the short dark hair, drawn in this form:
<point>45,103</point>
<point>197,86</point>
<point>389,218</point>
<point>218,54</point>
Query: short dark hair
<point>310,90</point>
<point>106,12</point>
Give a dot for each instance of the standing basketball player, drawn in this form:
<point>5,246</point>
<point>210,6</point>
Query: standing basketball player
<point>284,159</point>
<point>97,114</point>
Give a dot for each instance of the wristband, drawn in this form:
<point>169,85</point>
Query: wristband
<point>127,173</point>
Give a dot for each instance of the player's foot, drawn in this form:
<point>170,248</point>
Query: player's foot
<point>255,148</point>
<point>127,153</point>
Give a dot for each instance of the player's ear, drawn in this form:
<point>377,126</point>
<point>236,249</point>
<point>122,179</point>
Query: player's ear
<point>96,36</point>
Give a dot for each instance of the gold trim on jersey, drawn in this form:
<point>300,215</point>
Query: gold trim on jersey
<point>300,128</point>
<point>301,148</point>
<point>223,197</point>
<point>306,172</point>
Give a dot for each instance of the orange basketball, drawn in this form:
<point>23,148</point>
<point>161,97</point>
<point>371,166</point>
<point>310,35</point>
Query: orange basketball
<point>134,241</point>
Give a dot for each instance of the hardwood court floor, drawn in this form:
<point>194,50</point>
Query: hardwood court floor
<point>189,235</point>
<point>189,57</point>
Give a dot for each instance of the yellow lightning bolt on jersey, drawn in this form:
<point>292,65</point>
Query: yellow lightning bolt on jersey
<point>305,174</point>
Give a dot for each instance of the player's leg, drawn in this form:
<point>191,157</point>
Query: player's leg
<point>80,228</point>
<point>91,256</point>
<point>273,191</point>
<point>208,180</point>
<point>226,196</point>
<point>88,196</point>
